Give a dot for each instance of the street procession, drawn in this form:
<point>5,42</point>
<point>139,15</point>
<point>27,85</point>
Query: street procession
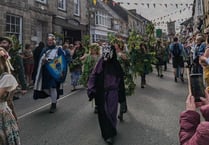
<point>104,72</point>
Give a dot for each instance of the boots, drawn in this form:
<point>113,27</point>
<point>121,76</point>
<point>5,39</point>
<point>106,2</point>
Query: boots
<point>53,108</point>
<point>109,141</point>
<point>182,78</point>
<point>96,109</point>
<point>123,109</point>
<point>120,116</point>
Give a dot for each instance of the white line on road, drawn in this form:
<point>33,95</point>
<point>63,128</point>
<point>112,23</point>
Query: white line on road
<point>28,113</point>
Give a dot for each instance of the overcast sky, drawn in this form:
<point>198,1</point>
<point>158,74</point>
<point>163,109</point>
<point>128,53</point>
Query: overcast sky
<point>160,10</point>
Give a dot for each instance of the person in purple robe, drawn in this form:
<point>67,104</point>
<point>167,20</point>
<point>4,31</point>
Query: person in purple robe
<point>106,85</point>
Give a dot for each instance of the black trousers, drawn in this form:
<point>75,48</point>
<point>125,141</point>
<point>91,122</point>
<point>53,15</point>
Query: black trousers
<point>143,79</point>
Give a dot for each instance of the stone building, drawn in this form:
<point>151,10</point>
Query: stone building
<point>198,15</point>
<point>32,20</point>
<point>100,22</point>
<point>105,20</point>
<point>140,22</point>
<point>130,20</point>
<point>206,11</point>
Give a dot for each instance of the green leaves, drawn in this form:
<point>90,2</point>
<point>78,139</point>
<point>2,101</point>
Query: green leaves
<point>86,42</point>
<point>134,40</point>
<point>16,46</point>
<point>111,37</point>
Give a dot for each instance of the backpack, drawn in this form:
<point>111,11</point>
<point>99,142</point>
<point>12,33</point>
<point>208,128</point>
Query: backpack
<point>176,50</point>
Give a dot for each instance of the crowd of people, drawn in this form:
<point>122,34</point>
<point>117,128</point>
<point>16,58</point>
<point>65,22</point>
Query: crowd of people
<point>107,70</point>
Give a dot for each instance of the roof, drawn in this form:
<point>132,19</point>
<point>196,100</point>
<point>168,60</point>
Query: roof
<point>123,13</point>
<point>188,21</point>
<point>139,16</point>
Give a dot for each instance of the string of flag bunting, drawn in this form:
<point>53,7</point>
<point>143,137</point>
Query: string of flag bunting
<point>159,21</point>
<point>148,5</point>
<point>155,5</point>
<point>170,14</point>
<point>162,23</point>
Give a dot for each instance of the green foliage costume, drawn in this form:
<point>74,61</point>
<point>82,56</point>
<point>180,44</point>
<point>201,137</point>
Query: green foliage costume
<point>17,62</point>
<point>128,78</point>
<point>76,62</point>
<point>141,62</point>
<point>88,64</point>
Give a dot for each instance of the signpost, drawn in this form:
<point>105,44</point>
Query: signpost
<point>158,33</point>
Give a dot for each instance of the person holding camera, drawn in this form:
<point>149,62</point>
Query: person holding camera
<point>192,131</point>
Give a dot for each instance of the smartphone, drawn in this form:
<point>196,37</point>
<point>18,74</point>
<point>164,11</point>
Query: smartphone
<point>197,87</point>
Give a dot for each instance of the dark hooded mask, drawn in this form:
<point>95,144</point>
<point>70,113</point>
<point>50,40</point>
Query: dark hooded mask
<point>107,53</point>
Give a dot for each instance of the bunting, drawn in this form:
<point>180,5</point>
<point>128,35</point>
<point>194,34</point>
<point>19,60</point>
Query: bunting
<point>165,5</point>
<point>164,23</point>
<point>172,13</point>
<point>160,21</point>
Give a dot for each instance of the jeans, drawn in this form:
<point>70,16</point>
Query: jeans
<point>75,76</point>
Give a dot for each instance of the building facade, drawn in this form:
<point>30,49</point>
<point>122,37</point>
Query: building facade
<point>131,21</point>
<point>69,20</point>
<point>31,21</point>
<point>138,22</point>
<point>206,11</point>
<point>99,22</point>
<point>198,15</point>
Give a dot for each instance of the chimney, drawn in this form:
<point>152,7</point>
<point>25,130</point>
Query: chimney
<point>133,11</point>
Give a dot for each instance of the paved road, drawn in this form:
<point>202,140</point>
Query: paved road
<point>152,118</point>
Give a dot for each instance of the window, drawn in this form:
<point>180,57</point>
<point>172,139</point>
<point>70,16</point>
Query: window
<point>102,19</point>
<point>62,4</point>
<point>42,1</point>
<point>14,26</point>
<point>97,38</point>
<point>77,7</point>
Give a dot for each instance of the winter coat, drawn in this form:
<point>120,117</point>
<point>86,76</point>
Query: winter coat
<point>192,131</point>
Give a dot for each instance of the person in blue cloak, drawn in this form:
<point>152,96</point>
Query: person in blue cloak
<point>47,81</point>
<point>106,85</point>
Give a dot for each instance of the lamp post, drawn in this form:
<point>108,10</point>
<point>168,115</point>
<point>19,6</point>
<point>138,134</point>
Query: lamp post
<point>91,14</point>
